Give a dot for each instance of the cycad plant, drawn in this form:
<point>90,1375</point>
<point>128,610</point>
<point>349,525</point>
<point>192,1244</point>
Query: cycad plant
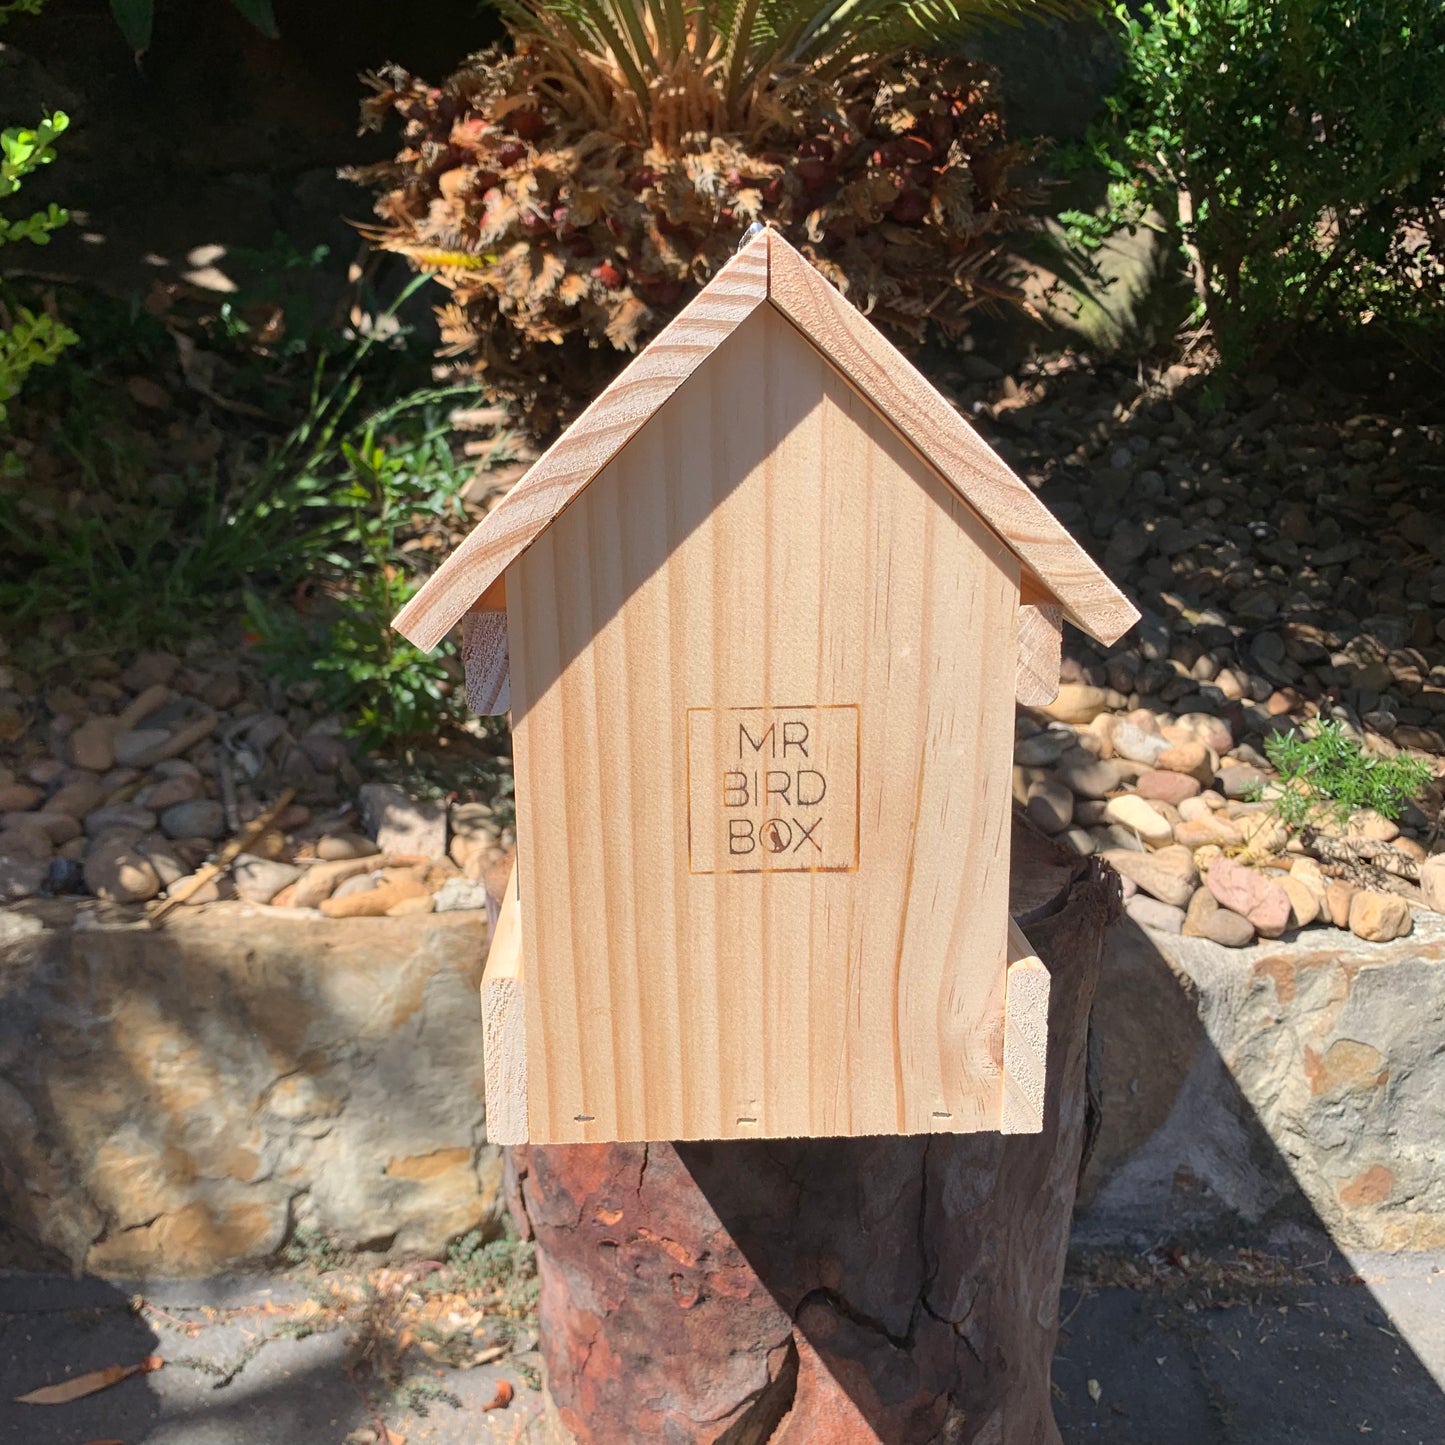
<point>574,191</point>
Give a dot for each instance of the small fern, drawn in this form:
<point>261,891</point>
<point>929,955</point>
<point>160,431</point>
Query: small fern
<point>1330,770</point>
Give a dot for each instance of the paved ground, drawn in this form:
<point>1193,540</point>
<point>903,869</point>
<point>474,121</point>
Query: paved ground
<point>1190,1354</point>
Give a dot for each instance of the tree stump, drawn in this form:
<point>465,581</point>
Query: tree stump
<point>894,1290</point>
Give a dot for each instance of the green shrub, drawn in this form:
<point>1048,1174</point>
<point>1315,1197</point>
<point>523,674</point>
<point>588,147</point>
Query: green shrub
<point>1297,147</point>
<point>27,338</point>
<point>1331,771</point>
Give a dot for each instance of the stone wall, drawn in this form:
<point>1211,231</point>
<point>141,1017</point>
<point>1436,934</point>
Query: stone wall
<point>1293,1081</point>
<point>180,1100</point>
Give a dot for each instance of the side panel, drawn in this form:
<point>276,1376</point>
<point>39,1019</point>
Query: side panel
<point>762,682</point>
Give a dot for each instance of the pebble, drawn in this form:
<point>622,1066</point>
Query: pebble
<point>1087,776</point>
<point>357,883</point>
<point>460,893</point>
<point>1080,702</point>
<point>1241,781</point>
<point>195,818</point>
<point>1040,750</point>
<point>1160,786</point>
<point>333,847</point>
<point>1304,905</point>
<point>1249,893</point>
<point>417,903</point>
<point>259,880</point>
<point>21,878</point>
<point>131,747</point>
<point>1050,806</point>
<point>58,827</point>
<point>1133,742</point>
<point>1379,917</point>
<point>1078,841</point>
<point>1206,919</point>
<point>1136,815</point>
<point>374,901</point>
<point>321,880</point>
<point>1432,882</point>
<point>119,817</point>
<point>1371,825</point>
<point>1201,727</point>
<point>168,792</point>
<point>18,797</point>
<point>1191,759</point>
<point>1168,874</point>
<point>116,871</point>
<point>91,745</point>
<point>1338,897</point>
<point>1199,832</point>
<point>402,824</point>
<point>1163,917</point>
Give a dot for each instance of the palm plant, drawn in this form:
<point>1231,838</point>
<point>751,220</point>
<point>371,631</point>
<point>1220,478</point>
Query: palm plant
<point>574,192</point>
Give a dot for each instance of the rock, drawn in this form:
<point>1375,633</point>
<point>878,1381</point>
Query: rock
<point>77,798</point>
<point>132,746</point>
<point>1050,806</point>
<point>1077,841</point>
<point>168,792</point>
<point>1201,727</point>
<point>1379,917</point>
<point>1432,882</point>
<point>401,824</point>
<point>1264,833</point>
<point>357,883</point>
<point>375,901</point>
<point>119,817</point>
<point>115,871</point>
<point>1078,702</point>
<point>1039,751</point>
<point>259,880</point>
<point>1190,758</point>
<point>1338,897</point>
<point>21,877</point>
<point>1168,874</point>
<point>419,903</point>
<point>458,893</point>
<point>1206,919</point>
<point>1264,903</point>
<point>195,818</point>
<point>332,847</point>
<point>1210,829</point>
<point>19,797</point>
<point>1161,786</point>
<point>1150,912</point>
<point>1136,815</point>
<point>1369,824</point>
<point>149,669</point>
<point>22,839</point>
<point>1308,872</point>
<point>1241,781</point>
<point>1304,905</point>
<point>150,700</point>
<point>92,745</point>
<point>321,879</point>
<point>1133,742</point>
<point>58,827</point>
<point>325,753</point>
<point>1087,776</point>
<point>178,742</point>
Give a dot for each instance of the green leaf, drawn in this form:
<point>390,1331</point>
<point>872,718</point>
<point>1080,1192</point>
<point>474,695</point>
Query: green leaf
<point>136,19</point>
<point>260,14</point>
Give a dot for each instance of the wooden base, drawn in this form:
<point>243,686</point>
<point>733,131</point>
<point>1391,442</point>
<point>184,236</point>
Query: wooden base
<point>847,1291</point>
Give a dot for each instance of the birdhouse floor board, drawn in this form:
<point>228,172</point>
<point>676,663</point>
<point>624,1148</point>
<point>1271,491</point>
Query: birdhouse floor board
<point>767,551</point>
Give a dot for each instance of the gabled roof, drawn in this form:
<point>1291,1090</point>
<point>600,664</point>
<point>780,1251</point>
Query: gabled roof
<point>769,270</point>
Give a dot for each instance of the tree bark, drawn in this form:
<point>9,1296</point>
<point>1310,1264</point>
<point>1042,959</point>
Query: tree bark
<point>847,1291</point>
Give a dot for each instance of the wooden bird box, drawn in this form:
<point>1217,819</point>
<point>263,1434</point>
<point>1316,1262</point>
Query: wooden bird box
<point>760,617</point>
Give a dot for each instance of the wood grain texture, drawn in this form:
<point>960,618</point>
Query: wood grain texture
<point>587,445</point>
<point>909,401</point>
<point>504,1025</point>
<point>486,662</point>
<point>1041,651</point>
<point>768,544</point>
<point>1025,1038</point>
